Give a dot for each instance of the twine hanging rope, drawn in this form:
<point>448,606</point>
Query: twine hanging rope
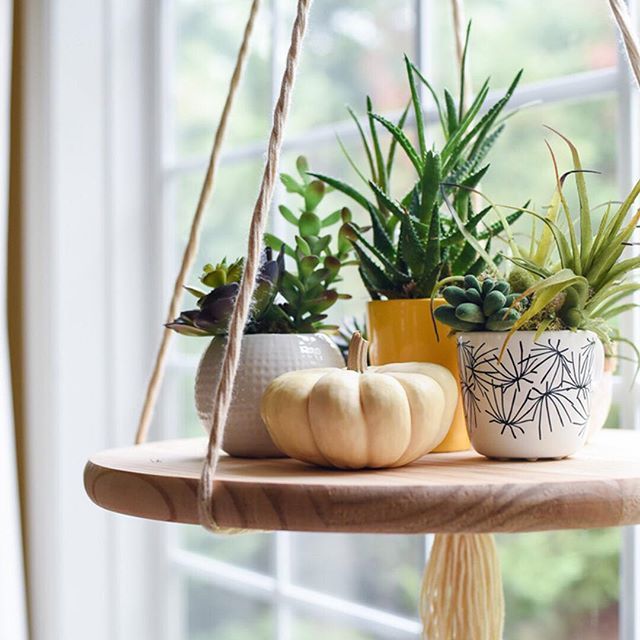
<point>620,12</point>
<point>245,293</point>
<point>157,375</point>
<point>459,34</point>
<point>461,599</point>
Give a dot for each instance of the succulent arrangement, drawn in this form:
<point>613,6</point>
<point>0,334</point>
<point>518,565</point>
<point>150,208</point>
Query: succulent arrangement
<point>479,305</point>
<point>213,312</point>
<point>285,301</point>
<point>572,276</point>
<point>433,231</point>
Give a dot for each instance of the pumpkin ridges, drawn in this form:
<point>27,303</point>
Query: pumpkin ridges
<point>335,418</point>
<point>440,374</point>
<point>385,417</point>
<point>274,411</point>
<point>387,437</point>
<point>424,437</point>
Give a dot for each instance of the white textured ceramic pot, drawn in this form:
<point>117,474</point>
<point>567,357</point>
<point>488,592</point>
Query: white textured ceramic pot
<point>534,402</point>
<point>263,357</point>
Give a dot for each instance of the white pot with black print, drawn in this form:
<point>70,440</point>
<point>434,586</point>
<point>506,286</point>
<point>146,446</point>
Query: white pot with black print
<point>531,398</point>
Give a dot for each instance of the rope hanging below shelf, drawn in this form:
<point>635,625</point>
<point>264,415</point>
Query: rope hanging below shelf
<point>242,305</point>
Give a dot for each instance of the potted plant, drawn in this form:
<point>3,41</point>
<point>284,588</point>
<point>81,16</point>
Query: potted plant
<point>416,240</point>
<point>529,392</point>
<point>286,328</point>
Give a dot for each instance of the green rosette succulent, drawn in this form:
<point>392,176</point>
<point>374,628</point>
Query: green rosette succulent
<point>479,305</point>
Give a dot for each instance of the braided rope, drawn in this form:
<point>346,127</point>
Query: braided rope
<point>191,250</point>
<point>245,293</point>
<point>629,38</point>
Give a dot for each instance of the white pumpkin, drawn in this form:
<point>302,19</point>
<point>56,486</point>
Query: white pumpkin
<point>360,416</point>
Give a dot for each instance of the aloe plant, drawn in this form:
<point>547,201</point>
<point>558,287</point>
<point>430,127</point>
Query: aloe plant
<point>310,290</point>
<point>433,231</point>
<point>573,264</point>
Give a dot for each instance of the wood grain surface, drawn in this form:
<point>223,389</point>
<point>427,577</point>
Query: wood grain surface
<point>445,492</point>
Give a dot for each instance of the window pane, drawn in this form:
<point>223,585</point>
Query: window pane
<point>547,38</point>
<point>521,166</point>
<point>206,41</point>
<point>251,551</point>
<point>561,585</point>
<point>215,613</point>
<point>379,571</point>
<point>353,49</point>
<point>226,221</point>
<point>324,627</point>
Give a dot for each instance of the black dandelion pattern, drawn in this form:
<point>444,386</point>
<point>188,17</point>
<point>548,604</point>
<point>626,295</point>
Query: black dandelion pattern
<point>507,411</point>
<point>545,387</point>
<point>476,377</point>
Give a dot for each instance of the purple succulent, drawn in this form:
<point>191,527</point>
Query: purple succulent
<point>213,314</point>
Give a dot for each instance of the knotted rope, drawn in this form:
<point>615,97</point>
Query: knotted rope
<point>190,251</point>
<point>245,293</point>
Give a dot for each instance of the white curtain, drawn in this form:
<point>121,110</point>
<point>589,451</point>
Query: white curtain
<point>12,593</point>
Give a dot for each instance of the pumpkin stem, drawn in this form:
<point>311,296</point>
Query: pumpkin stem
<point>357,356</point>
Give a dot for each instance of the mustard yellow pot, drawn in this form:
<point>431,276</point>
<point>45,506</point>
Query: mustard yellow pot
<point>402,331</point>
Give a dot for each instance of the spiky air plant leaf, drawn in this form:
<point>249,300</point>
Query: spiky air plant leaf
<point>584,274</point>
<point>413,241</point>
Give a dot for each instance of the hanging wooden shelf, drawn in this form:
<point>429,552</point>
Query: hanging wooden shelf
<point>441,493</point>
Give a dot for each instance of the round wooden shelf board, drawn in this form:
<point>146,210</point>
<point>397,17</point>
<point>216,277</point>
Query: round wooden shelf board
<point>444,492</point>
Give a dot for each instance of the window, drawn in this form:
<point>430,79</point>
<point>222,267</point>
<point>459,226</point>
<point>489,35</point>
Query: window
<point>559,585</point>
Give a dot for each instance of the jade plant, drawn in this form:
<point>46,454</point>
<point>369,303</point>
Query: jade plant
<point>285,300</point>
<point>479,305</point>
<point>433,231</point>
<point>310,290</point>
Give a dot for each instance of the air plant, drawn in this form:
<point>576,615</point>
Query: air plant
<point>578,271</point>
<point>213,312</point>
<point>416,240</point>
<point>478,305</point>
<point>310,291</point>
